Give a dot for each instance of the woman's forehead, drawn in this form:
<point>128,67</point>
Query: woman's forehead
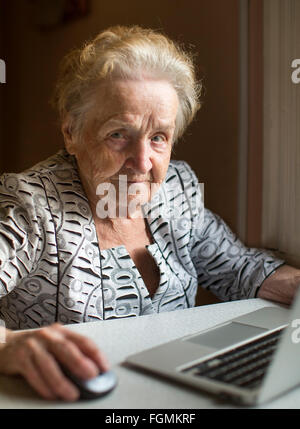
<point>122,100</point>
<point>123,93</point>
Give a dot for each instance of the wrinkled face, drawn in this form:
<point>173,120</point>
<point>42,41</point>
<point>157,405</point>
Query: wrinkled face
<point>127,139</point>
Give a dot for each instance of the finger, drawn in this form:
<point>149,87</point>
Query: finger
<point>51,374</point>
<point>67,353</point>
<point>70,356</point>
<point>88,348</point>
<point>35,380</point>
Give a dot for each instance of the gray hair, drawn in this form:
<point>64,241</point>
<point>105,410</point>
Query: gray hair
<point>129,53</point>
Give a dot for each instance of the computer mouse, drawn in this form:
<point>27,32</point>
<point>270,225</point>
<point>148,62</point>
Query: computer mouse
<point>93,387</point>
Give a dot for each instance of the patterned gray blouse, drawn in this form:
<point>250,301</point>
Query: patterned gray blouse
<point>52,269</point>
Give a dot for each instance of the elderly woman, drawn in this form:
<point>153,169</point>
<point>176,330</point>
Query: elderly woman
<point>109,227</point>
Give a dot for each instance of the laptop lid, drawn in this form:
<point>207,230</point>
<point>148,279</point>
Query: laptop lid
<point>284,371</point>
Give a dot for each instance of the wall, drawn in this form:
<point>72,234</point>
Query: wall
<point>210,26</point>
<point>281,202</point>
<point>2,88</point>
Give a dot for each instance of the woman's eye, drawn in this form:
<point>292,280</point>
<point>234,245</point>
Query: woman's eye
<point>158,139</point>
<point>116,135</point>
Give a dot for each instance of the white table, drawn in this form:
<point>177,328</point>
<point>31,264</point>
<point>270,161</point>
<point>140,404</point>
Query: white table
<point>137,390</point>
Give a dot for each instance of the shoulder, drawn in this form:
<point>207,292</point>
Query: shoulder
<point>29,181</point>
<point>55,164</point>
<point>26,190</point>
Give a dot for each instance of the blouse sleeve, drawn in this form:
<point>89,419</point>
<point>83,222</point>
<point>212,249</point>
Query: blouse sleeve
<point>19,232</point>
<point>224,265</point>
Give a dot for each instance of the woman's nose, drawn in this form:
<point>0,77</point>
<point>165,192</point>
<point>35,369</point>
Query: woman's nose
<point>139,158</point>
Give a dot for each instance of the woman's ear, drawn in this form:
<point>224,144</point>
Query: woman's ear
<point>68,136</point>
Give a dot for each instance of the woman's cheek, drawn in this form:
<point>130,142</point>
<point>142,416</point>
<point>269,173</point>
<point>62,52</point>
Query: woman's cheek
<point>108,163</point>
<point>160,168</point>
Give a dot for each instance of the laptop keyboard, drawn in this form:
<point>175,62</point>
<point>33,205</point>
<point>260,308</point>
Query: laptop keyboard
<point>244,366</point>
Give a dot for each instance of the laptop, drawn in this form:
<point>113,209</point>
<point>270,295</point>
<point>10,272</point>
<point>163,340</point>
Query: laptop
<point>248,360</point>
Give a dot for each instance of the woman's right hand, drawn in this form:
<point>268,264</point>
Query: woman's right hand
<point>38,354</point>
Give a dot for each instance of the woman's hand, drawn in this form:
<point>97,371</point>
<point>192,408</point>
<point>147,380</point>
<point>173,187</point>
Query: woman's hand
<point>35,355</point>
